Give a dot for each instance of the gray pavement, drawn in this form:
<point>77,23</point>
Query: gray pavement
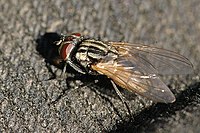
<point>29,102</point>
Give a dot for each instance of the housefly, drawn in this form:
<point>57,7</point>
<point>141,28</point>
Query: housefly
<point>134,67</point>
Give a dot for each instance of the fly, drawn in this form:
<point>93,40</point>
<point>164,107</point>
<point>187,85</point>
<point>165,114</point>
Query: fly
<point>134,67</point>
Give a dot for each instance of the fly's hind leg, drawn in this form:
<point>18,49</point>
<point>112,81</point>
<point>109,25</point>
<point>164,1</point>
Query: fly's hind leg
<point>121,98</point>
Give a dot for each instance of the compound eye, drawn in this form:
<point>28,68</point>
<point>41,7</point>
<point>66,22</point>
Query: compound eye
<point>76,34</point>
<point>72,36</point>
<point>65,50</point>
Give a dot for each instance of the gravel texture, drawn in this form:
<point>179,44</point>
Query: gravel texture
<point>32,101</point>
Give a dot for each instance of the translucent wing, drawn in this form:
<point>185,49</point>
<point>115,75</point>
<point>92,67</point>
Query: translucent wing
<point>136,69</point>
<point>126,73</point>
<point>164,61</point>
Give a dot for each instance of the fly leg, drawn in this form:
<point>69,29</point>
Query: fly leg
<point>121,97</point>
<point>76,67</point>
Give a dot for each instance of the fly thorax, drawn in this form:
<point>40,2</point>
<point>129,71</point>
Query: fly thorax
<point>91,51</point>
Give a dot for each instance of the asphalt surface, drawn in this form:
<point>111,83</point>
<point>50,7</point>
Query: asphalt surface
<point>33,96</point>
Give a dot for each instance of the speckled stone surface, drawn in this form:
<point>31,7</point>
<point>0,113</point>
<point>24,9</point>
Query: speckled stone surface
<point>29,102</point>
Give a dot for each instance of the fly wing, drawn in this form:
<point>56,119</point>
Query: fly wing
<point>136,75</point>
<point>164,61</point>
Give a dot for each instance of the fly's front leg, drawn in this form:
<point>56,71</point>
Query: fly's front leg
<point>75,66</point>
